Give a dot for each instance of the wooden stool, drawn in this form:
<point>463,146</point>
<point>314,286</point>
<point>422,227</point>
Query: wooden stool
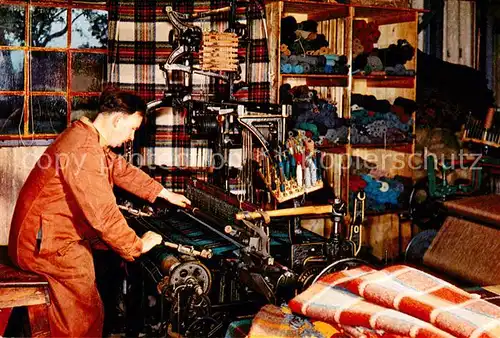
<point>21,288</point>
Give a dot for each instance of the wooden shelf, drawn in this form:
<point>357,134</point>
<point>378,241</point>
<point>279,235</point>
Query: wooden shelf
<point>316,10</point>
<point>386,81</point>
<point>335,149</point>
<point>320,11</point>
<point>404,147</point>
<point>386,15</point>
<point>318,80</point>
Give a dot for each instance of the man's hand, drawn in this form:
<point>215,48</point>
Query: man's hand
<point>149,240</point>
<point>176,199</point>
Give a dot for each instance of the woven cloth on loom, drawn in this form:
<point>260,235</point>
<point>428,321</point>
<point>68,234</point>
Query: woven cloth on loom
<point>138,43</point>
<point>468,250</point>
<point>399,300</point>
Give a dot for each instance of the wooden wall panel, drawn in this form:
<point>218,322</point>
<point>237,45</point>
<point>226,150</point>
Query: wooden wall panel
<point>389,34</point>
<point>392,162</point>
<point>381,234</point>
<point>459,32</point>
<point>15,165</point>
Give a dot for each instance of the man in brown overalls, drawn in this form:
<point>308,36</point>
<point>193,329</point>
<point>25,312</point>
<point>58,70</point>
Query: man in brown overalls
<point>68,201</point>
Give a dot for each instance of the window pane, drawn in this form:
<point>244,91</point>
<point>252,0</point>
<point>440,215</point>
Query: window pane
<point>12,25</point>
<point>12,70</point>
<point>89,28</point>
<point>49,27</point>
<point>88,72</point>
<point>84,106</point>
<point>48,114</point>
<point>11,115</point>
<point>48,71</point>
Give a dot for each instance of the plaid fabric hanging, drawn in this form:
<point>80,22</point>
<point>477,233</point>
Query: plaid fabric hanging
<point>138,43</point>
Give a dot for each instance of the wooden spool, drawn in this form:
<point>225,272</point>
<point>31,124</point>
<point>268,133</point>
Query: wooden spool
<point>220,52</point>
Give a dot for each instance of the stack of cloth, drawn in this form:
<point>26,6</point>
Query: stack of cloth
<point>383,192</point>
<point>314,64</point>
<point>391,61</point>
<point>315,115</point>
<point>396,302</point>
<point>305,51</point>
<point>378,122</point>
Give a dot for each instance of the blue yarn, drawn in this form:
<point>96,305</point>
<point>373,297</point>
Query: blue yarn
<point>286,68</point>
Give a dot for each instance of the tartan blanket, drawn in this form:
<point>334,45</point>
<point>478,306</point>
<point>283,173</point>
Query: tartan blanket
<point>138,42</point>
<point>398,300</point>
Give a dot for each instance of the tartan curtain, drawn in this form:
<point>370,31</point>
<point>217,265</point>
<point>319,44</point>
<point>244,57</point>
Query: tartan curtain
<point>138,43</point>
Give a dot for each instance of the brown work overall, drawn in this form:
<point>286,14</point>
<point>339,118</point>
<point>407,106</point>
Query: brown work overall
<point>65,204</point>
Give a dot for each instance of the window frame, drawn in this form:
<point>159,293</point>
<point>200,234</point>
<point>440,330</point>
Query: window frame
<point>69,5</point>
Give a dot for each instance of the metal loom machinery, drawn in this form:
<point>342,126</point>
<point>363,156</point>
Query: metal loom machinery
<point>224,256</point>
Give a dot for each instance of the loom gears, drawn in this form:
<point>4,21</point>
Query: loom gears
<point>307,276</point>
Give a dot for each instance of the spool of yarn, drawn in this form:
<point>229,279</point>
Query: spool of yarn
<point>293,60</point>
<point>287,168</point>
<point>318,164</point>
<point>488,122</point>
<point>307,177</point>
<point>299,175</point>
<point>306,67</point>
<point>313,171</point>
<point>312,60</point>
<point>283,59</point>
<point>390,70</point>
<point>293,167</point>
<point>298,69</point>
<point>375,63</point>
<point>286,68</point>
<point>384,186</point>
<point>331,59</point>
<point>400,70</point>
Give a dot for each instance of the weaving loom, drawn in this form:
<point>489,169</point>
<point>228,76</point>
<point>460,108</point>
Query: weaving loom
<point>253,260</point>
<point>238,258</point>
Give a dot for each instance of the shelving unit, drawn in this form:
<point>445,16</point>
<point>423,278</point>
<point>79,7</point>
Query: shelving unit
<point>386,233</point>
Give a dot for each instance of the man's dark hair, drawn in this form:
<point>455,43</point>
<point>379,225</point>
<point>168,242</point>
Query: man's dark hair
<point>113,100</point>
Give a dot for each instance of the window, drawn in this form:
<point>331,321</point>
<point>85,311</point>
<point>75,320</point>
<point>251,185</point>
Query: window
<point>53,60</point>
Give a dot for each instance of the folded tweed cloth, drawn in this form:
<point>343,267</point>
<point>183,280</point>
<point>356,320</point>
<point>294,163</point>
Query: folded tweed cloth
<point>274,321</point>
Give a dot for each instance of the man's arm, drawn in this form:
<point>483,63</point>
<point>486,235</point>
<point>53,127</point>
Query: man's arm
<point>133,179</point>
<point>137,182</point>
<point>86,178</point>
